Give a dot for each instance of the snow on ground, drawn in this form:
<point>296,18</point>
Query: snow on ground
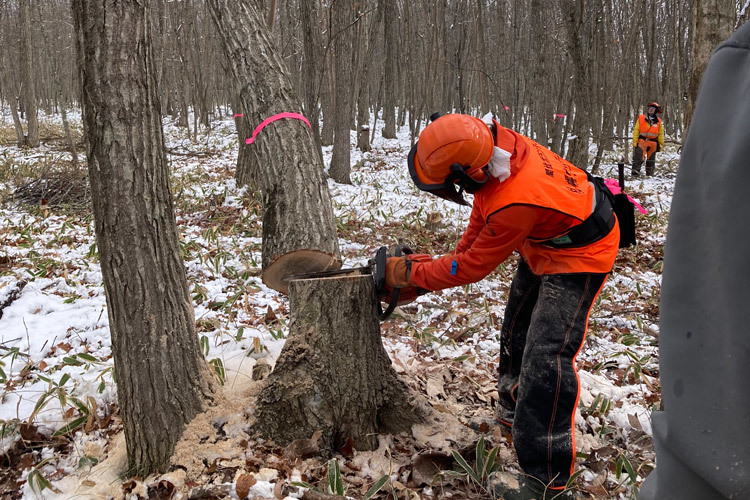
<point>56,366</point>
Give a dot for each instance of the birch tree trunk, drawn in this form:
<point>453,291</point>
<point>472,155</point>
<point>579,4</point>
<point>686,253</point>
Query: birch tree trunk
<point>333,373</point>
<point>160,370</point>
<point>299,232</point>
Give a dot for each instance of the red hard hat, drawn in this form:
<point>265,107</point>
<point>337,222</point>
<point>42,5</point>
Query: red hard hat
<point>655,105</point>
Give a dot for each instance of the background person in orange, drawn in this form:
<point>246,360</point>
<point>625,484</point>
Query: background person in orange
<point>560,220</point>
<point>648,139</point>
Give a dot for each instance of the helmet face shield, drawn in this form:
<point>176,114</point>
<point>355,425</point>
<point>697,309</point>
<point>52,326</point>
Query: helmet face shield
<point>654,104</point>
<point>446,190</point>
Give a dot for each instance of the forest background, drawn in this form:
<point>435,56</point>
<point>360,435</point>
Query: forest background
<point>572,75</point>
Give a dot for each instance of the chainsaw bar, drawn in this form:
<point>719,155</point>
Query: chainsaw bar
<point>354,271</point>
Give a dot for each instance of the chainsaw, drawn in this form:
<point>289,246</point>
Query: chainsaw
<point>375,267</point>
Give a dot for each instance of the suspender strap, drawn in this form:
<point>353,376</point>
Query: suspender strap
<point>596,226</point>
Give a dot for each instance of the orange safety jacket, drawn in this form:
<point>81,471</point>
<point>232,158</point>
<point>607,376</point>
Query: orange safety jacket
<point>544,197</point>
<point>651,132</point>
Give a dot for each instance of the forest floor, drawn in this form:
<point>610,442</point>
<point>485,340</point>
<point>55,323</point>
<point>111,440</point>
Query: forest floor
<point>60,432</point>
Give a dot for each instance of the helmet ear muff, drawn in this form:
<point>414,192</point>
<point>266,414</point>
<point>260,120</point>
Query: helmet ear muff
<point>446,190</point>
<point>467,183</point>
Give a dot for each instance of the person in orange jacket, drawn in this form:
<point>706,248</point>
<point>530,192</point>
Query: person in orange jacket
<point>561,222</point>
<point>648,139</point>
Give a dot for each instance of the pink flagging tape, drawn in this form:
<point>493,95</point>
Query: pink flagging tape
<point>272,119</point>
<point>558,115</point>
<point>507,108</point>
<point>238,115</point>
<point>614,187</point>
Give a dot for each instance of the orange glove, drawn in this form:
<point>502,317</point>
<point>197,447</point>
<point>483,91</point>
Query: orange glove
<point>397,269</point>
<point>397,272</point>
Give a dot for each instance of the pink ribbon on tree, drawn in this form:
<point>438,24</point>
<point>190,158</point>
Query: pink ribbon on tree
<point>272,119</point>
<point>614,187</point>
<point>238,114</point>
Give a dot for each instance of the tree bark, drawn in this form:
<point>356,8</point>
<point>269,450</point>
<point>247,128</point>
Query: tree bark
<point>333,373</point>
<point>160,370</point>
<point>28,93</point>
<point>297,208</point>
<point>59,94</point>
<point>713,21</point>
<point>389,76</point>
<point>311,69</point>
<point>341,158</point>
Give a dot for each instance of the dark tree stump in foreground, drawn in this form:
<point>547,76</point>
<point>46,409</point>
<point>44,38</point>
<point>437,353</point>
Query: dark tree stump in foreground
<point>333,373</point>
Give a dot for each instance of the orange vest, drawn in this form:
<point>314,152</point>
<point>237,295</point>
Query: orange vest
<point>542,179</point>
<point>546,181</point>
<point>645,129</point>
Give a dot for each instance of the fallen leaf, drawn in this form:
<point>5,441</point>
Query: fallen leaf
<point>434,386</point>
<point>270,316</point>
<point>348,449</point>
<point>635,422</point>
<point>426,466</point>
<point>163,490</point>
<point>304,448</point>
<point>244,483</point>
<point>278,490</point>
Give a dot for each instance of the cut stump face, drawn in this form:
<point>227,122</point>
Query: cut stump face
<point>297,262</point>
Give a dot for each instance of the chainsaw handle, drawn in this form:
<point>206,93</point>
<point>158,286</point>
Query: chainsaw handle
<point>394,299</point>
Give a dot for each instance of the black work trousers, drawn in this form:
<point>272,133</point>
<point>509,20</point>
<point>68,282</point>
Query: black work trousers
<point>543,329</point>
<point>638,162</point>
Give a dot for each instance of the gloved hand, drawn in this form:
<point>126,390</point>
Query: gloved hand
<point>398,269</point>
<point>397,272</point>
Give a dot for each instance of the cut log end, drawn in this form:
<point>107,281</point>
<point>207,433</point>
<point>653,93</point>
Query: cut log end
<point>297,262</point>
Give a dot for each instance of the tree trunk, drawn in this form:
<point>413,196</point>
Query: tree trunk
<point>389,76</point>
<point>160,371</point>
<point>299,232</point>
<point>333,373</point>
<point>59,94</point>
<point>713,21</point>
<point>311,64</point>
<point>341,158</point>
<point>28,93</point>
<point>576,24</point>
<point>247,160</point>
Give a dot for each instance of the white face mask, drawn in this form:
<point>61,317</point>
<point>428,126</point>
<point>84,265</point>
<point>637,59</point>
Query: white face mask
<point>499,165</point>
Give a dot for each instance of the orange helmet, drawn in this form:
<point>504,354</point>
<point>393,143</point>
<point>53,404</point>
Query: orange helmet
<point>655,105</point>
<point>452,150</point>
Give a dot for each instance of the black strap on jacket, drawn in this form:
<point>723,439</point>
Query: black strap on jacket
<point>596,226</point>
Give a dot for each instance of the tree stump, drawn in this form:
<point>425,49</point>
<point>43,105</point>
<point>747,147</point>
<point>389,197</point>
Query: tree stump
<point>333,373</point>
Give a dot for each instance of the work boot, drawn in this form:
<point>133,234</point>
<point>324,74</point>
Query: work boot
<point>506,486</point>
